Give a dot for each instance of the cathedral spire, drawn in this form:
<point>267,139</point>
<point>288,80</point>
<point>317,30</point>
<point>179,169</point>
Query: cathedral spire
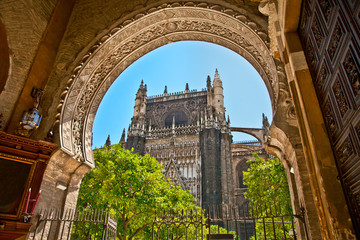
<point>218,101</point>
<point>122,139</point>
<point>187,87</point>
<point>165,91</point>
<point>208,83</point>
<point>140,101</point>
<point>108,142</point>
<point>217,79</point>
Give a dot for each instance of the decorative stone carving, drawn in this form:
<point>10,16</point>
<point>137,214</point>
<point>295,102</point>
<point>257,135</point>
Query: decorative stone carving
<point>158,112</point>
<point>181,163</point>
<point>172,172</point>
<point>249,153</point>
<point>128,42</point>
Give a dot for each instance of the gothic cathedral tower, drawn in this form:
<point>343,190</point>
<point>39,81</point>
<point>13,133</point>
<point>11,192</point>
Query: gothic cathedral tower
<point>188,134</point>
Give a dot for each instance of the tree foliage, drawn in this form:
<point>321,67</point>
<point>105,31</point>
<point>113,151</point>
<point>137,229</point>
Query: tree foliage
<point>269,196</point>
<point>132,188</point>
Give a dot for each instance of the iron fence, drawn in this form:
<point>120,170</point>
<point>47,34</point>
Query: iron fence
<point>181,225</point>
<point>245,222</point>
<point>231,222</point>
<point>74,224</point>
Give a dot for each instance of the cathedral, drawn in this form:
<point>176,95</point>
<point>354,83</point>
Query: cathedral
<point>59,57</point>
<point>188,134</point>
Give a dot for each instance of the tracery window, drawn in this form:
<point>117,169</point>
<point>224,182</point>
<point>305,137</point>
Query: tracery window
<point>180,119</point>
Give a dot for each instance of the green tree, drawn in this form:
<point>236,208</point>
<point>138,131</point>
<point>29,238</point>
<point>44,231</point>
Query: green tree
<point>269,196</point>
<point>132,188</point>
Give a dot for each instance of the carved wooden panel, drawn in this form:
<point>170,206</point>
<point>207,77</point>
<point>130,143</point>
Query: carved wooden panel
<point>330,34</point>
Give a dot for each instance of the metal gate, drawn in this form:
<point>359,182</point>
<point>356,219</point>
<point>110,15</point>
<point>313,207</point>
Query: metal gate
<point>74,224</point>
<point>242,222</point>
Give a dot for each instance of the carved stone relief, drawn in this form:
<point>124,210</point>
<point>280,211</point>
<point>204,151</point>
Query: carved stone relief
<point>157,112</point>
<point>133,38</point>
<point>181,161</point>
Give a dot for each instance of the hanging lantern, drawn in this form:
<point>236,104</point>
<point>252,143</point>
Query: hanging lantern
<point>31,119</point>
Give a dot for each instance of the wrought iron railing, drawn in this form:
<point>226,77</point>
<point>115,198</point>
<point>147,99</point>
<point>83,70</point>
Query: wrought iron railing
<point>182,225</point>
<point>231,222</point>
<point>248,221</point>
<point>74,224</point>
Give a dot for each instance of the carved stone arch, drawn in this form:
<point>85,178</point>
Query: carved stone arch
<point>173,110</point>
<point>134,38</point>
<point>257,133</point>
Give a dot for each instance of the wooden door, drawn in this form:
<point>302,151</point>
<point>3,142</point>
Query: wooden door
<point>330,32</point>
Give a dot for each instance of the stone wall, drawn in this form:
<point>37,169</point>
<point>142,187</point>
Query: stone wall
<point>25,23</point>
<point>61,182</point>
<point>136,142</point>
<point>241,153</point>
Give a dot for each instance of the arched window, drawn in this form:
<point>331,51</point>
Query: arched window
<point>180,119</point>
<point>240,168</point>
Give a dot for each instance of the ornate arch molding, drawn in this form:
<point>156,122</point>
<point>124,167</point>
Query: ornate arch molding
<point>134,38</point>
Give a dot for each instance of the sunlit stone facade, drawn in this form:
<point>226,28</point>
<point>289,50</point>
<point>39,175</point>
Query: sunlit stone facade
<point>188,134</point>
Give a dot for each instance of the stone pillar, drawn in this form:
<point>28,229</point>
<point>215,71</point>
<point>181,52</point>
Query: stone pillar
<point>211,172</point>
<point>61,182</point>
<point>60,185</point>
<point>226,169</point>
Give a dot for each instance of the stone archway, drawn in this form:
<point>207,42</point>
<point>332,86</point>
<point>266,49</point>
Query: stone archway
<point>132,39</point>
<point>154,28</point>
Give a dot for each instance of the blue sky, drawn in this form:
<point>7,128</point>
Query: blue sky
<point>174,65</point>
